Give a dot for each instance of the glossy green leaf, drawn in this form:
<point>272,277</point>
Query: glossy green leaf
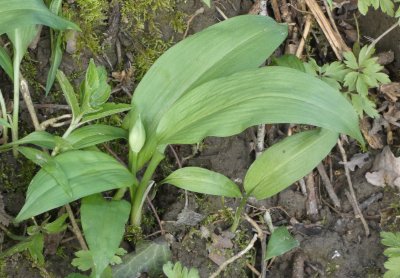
<point>6,63</point>
<point>148,257</point>
<point>280,242</point>
<point>88,172</point>
<point>103,224</point>
<point>227,106</point>
<point>49,165</point>
<point>69,93</point>
<point>92,135</point>
<point>19,13</point>
<point>106,109</point>
<point>288,161</point>
<point>236,44</point>
<point>201,180</point>
<point>56,56</point>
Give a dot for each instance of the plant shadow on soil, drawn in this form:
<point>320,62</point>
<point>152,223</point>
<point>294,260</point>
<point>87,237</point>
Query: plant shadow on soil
<point>334,244</point>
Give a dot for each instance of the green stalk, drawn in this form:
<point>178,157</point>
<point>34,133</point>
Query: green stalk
<point>141,192</point>
<point>14,129</point>
<point>4,112</point>
<point>238,214</point>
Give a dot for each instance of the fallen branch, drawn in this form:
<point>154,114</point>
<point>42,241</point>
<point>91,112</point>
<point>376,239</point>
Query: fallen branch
<point>328,185</point>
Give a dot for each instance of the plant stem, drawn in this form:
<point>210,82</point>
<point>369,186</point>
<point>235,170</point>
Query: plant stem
<point>14,130</point>
<point>142,191</point>
<point>238,214</point>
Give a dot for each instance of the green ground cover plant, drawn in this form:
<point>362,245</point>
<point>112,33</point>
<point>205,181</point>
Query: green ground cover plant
<point>210,84</point>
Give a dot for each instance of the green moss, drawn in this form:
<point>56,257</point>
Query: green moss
<point>141,20</point>
<point>89,15</point>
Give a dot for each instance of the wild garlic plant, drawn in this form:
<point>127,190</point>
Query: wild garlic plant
<point>209,84</point>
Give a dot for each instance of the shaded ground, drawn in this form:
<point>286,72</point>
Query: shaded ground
<point>333,243</point>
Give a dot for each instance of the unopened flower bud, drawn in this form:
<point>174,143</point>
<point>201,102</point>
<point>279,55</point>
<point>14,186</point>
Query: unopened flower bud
<point>137,135</point>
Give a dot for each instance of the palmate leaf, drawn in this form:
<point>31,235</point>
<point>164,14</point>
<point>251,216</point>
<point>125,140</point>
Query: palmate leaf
<point>227,106</point>
<point>201,180</point>
<point>103,224</point>
<point>237,44</point>
<point>20,13</point>
<point>88,172</point>
<point>288,161</point>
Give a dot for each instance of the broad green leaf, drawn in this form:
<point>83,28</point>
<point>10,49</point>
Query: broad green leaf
<point>49,165</point>
<point>57,225</point>
<point>289,61</point>
<point>69,93</point>
<point>20,38</point>
<point>227,106</point>
<point>201,180</point>
<point>92,135</point>
<point>234,45</point>
<point>4,123</point>
<point>88,172</point>
<point>56,56</point>
<point>40,138</point>
<point>288,161</point>
<point>106,109</point>
<point>20,13</point>
<point>280,242</point>
<point>6,63</point>
<point>148,257</point>
<point>103,224</point>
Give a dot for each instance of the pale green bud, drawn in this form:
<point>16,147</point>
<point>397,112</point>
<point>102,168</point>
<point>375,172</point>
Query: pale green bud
<point>137,136</point>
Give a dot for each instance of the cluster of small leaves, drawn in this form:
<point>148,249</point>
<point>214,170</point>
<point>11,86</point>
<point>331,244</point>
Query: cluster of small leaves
<point>392,241</point>
<point>178,271</point>
<point>386,6</point>
<point>34,243</point>
<point>356,75</point>
<point>364,73</point>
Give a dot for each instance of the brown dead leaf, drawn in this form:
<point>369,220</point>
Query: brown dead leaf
<point>189,217</point>
<point>386,170</point>
<point>391,91</point>
<point>371,135</point>
<point>392,116</point>
<point>385,58</point>
<point>220,242</point>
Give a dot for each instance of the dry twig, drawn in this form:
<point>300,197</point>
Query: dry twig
<point>328,185</point>
<point>352,195</point>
